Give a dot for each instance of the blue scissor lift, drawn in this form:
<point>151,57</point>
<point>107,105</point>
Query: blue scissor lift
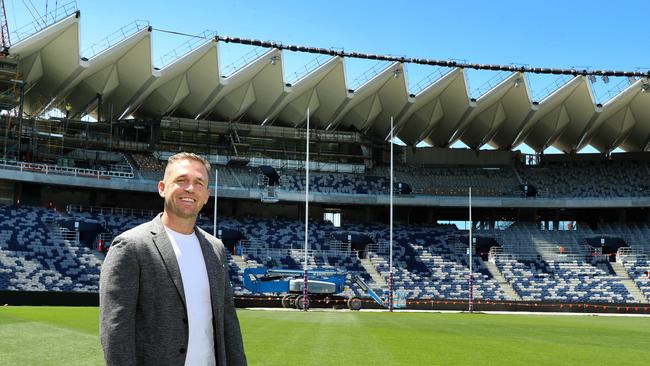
<point>323,284</point>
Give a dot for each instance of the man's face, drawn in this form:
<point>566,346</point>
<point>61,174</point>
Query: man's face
<point>185,189</point>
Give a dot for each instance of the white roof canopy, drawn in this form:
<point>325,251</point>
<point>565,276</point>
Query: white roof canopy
<point>442,113</point>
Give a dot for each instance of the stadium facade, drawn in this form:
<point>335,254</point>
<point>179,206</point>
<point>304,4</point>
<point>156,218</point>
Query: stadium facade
<point>548,228</point>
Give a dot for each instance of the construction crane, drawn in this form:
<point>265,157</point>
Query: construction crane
<point>4,23</point>
<point>4,29</point>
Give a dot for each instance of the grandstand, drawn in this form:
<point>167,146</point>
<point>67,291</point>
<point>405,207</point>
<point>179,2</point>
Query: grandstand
<point>68,182</point>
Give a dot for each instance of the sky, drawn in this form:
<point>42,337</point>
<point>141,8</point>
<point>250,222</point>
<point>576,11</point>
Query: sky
<point>600,35</point>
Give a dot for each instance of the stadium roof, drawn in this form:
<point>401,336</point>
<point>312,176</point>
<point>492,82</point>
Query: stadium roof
<point>194,86</point>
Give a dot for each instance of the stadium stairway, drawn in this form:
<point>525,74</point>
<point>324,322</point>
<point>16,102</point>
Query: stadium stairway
<point>517,175</point>
<point>63,235</point>
<point>372,271</point>
<point>505,285</point>
<point>239,261</point>
<point>629,284</point>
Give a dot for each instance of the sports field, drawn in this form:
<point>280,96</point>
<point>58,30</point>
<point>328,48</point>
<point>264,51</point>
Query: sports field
<point>69,336</point>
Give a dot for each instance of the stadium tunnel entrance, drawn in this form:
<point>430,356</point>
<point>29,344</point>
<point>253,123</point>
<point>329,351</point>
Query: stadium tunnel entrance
<point>607,245</point>
<point>358,241</point>
<point>88,230</point>
<point>482,245</point>
<point>231,239</point>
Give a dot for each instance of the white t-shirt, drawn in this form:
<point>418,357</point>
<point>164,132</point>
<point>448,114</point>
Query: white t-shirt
<point>200,347</point>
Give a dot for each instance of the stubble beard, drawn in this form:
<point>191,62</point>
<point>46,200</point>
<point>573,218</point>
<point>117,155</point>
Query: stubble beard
<point>179,213</point>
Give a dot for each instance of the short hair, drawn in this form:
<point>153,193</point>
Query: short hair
<point>187,156</point>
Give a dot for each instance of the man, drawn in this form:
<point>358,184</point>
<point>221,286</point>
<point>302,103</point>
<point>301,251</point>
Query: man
<point>164,292</point>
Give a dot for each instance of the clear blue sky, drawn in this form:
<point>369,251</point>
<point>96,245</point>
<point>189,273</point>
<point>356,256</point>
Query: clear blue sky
<point>599,34</point>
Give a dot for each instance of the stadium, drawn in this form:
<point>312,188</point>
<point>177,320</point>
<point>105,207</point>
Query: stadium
<point>315,173</point>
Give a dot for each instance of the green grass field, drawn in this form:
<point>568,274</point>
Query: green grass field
<point>69,336</point>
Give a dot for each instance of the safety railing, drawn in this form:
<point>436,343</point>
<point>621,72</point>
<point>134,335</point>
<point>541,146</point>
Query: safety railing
<point>494,253</point>
<point>338,246</point>
<point>266,131</point>
<point>552,87</point>
<point>69,235</point>
<point>430,79</point>
<point>617,88</point>
<point>106,238</point>
<point>186,47</point>
<point>241,62</point>
<point>261,252</point>
<point>43,21</point>
<point>307,68</point>
<point>492,82</point>
<point>114,38</point>
<point>628,254</point>
<point>62,170</point>
<point>327,135</point>
<point>381,247</point>
<point>268,193</point>
<point>373,71</point>
<point>70,209</point>
<point>313,165</point>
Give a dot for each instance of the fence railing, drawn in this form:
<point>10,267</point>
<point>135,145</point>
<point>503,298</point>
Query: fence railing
<point>262,252</point>
<point>616,89</point>
<point>241,62</point>
<point>381,247</point>
<point>494,253</point>
<point>62,170</point>
<point>43,21</point>
<point>110,210</point>
<point>373,71</point>
<point>186,47</point>
<point>69,235</point>
<point>307,68</point>
<point>492,82</point>
<point>114,38</point>
<point>428,80</point>
<point>552,87</point>
<point>327,135</point>
<point>106,238</point>
<point>629,254</point>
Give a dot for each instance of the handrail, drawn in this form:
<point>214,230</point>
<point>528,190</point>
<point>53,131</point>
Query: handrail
<point>307,68</point>
<point>186,47</point>
<point>69,235</point>
<point>327,135</point>
<point>61,170</point>
<point>241,62</point>
<point>492,82</point>
<point>626,253</point>
<point>559,82</point>
<point>291,252</point>
<point>44,21</point>
<point>268,131</point>
<point>617,88</point>
<point>110,210</point>
<point>373,71</point>
<point>107,238</point>
<point>430,79</point>
<point>313,165</point>
<point>114,38</point>
<point>494,252</point>
<point>381,247</point>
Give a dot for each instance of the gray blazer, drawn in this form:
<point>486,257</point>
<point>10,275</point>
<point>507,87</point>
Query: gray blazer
<point>143,318</point>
